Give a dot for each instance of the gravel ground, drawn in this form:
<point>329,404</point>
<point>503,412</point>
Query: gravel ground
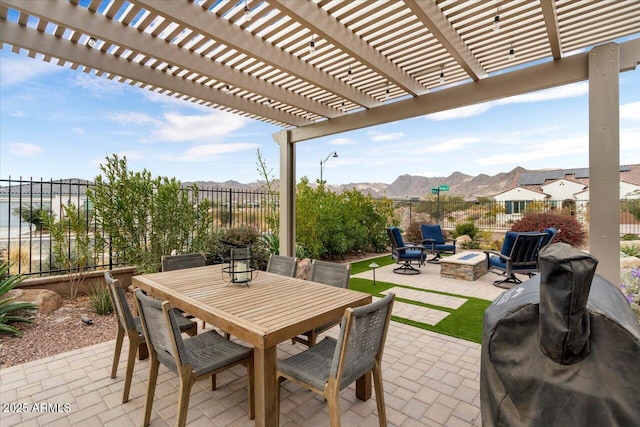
<point>57,332</point>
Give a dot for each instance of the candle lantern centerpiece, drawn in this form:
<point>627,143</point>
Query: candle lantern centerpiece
<point>240,269</point>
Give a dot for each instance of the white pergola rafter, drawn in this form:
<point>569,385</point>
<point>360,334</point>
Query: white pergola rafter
<point>325,26</point>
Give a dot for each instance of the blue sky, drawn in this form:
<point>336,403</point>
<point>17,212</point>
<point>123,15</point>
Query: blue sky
<point>59,123</point>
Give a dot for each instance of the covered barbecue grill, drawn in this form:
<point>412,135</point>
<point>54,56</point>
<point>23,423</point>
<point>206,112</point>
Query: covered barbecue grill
<point>561,349</point>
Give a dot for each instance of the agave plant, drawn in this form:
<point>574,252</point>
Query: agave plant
<point>7,306</point>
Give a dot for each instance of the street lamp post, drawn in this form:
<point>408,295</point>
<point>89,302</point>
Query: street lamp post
<point>323,162</point>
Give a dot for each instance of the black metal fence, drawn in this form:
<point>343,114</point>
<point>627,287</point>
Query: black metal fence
<point>26,244</point>
<point>498,216</point>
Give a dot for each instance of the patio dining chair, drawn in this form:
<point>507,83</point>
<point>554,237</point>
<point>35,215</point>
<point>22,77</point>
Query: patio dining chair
<point>283,265</point>
<point>131,324</point>
<point>331,365</point>
<point>193,358</point>
<point>405,253</point>
<point>519,254</point>
<point>433,238</point>
<point>180,262</point>
<point>328,273</point>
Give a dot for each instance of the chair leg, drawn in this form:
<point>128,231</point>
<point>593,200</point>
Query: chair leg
<point>131,360</point>
<point>377,383</point>
<point>214,384</point>
<point>331,394</point>
<point>186,382</point>
<point>406,268</point>
<point>507,283</point>
<point>116,353</point>
<point>151,390</point>
<point>193,331</point>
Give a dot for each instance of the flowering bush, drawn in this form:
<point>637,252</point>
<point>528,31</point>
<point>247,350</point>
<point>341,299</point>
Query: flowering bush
<point>631,289</point>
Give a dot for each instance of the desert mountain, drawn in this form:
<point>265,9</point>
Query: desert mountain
<point>466,186</point>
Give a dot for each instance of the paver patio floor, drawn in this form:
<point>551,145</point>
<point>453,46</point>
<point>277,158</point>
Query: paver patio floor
<point>429,380</point>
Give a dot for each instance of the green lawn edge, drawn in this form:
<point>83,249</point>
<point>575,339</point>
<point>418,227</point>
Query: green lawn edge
<point>464,322</point>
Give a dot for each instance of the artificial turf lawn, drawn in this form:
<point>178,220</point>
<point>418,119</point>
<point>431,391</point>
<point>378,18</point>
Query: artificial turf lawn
<point>464,322</point>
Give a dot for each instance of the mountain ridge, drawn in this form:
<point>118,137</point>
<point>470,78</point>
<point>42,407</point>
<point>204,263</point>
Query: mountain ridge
<point>466,186</point>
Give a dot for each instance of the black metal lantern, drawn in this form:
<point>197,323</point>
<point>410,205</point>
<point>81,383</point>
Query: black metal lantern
<point>240,268</point>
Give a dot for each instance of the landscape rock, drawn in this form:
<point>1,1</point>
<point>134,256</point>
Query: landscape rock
<point>461,240</point>
<point>47,301</point>
<point>629,262</point>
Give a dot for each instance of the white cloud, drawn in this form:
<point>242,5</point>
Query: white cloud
<point>16,70</point>
<point>455,144</point>
<point>132,117</point>
<point>208,152</point>
<point>78,131</point>
<point>177,127</point>
<point>568,148</point>
<point>18,113</point>
<point>387,136</point>
<point>462,112</point>
<point>23,149</point>
<point>630,111</point>
<point>97,86</point>
<point>341,141</point>
<point>562,92</point>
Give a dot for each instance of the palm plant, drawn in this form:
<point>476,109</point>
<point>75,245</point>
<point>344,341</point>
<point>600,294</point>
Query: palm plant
<point>7,306</point>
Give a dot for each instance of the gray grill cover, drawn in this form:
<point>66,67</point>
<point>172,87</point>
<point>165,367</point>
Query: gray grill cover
<point>547,360</point>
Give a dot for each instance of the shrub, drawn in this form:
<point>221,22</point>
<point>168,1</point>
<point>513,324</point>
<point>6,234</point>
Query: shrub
<point>100,300</point>
<point>630,236</point>
<point>632,250</point>
<point>466,228</point>
<point>569,229</point>
<point>630,287</point>
<point>7,306</point>
<point>413,234</point>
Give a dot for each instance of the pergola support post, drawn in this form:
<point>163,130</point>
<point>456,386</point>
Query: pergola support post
<point>604,159</point>
<point>287,192</point>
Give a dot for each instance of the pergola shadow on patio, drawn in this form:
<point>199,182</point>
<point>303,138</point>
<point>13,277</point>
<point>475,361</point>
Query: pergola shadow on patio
<point>429,380</point>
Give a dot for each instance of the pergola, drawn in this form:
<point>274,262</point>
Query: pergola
<point>320,67</point>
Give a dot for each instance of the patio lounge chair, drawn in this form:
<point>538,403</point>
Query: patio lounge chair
<point>332,365</point>
<point>328,273</point>
<point>405,253</point>
<point>131,324</point>
<point>283,265</point>
<point>193,358</point>
<point>433,238</point>
<point>519,254</point>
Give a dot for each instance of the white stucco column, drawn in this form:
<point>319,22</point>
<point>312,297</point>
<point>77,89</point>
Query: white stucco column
<point>604,159</point>
<point>287,193</point>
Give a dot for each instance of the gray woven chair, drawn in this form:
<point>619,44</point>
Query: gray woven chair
<point>193,358</point>
<point>328,273</point>
<point>331,365</point>
<point>283,265</point>
<point>131,324</point>
<point>180,262</point>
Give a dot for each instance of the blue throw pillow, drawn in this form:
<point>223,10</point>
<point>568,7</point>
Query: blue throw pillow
<point>509,240</point>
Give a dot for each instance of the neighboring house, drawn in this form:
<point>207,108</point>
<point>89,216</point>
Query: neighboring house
<point>560,187</point>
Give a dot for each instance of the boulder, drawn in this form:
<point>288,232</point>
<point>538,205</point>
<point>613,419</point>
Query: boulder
<point>629,262</point>
<point>304,269</point>
<point>461,240</point>
<point>48,301</point>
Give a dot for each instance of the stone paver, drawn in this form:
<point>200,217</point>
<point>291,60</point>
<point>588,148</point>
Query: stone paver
<point>429,379</point>
<point>427,297</point>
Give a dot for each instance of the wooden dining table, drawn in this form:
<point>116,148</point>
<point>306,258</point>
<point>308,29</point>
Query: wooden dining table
<point>270,310</point>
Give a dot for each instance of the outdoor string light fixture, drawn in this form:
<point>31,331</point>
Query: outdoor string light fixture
<point>312,46</point>
<point>496,21</point>
<point>247,11</point>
